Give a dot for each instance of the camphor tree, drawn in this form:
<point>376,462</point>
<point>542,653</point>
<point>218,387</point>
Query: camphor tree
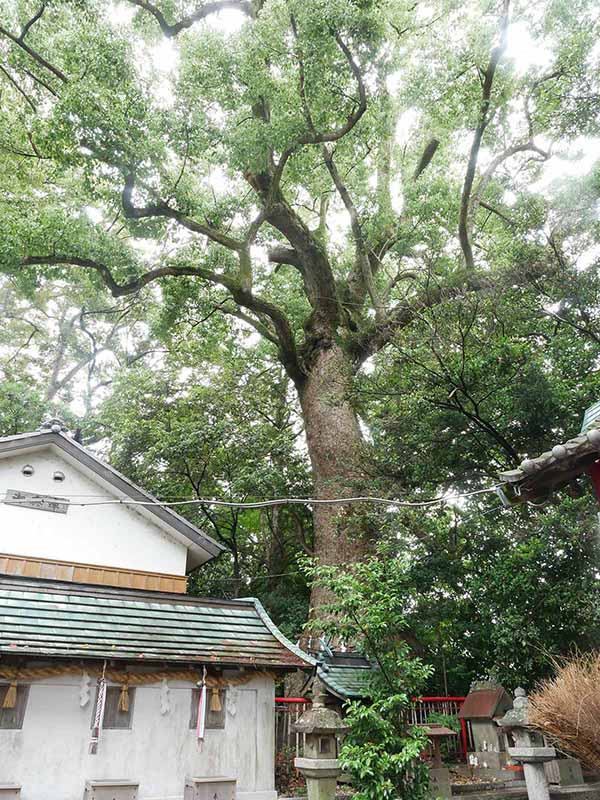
<point>325,172</point>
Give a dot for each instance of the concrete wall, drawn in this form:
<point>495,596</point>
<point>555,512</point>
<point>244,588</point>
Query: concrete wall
<point>110,535</point>
<point>49,756</point>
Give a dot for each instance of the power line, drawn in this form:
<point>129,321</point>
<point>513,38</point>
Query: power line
<point>308,501</point>
<point>249,578</point>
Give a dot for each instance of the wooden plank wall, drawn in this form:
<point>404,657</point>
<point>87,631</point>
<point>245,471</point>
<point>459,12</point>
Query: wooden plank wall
<point>90,573</point>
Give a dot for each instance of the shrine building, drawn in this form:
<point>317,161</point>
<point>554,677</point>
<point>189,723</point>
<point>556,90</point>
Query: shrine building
<point>113,682</point>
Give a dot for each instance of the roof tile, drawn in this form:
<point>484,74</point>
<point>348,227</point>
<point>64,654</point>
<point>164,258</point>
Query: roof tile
<point>40,618</point>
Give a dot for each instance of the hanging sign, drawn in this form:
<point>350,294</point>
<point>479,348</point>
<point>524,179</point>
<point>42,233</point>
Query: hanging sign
<point>41,502</point>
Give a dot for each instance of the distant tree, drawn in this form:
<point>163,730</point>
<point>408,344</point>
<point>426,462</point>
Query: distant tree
<point>504,594</point>
<point>221,429</point>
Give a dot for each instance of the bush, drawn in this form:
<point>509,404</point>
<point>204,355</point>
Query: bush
<point>382,750</point>
<point>288,781</point>
<point>566,708</point>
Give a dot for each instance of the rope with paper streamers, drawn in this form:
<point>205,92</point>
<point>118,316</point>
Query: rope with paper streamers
<point>125,680</point>
<point>99,712</point>
<point>201,721</point>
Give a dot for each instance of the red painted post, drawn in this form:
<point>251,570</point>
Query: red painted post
<point>465,739</point>
<point>594,473</point>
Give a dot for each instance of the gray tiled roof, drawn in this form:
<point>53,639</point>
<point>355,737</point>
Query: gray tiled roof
<point>345,674</point>
<point>347,682</point>
<point>46,618</point>
<point>536,477</point>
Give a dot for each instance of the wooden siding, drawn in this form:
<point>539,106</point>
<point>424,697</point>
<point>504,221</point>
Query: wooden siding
<point>29,567</point>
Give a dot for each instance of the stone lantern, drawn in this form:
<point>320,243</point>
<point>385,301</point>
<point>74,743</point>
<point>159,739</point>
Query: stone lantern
<point>529,748</point>
<point>321,727</point>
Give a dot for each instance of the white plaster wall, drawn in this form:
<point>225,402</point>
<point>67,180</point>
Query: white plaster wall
<point>49,757</point>
<point>109,535</point>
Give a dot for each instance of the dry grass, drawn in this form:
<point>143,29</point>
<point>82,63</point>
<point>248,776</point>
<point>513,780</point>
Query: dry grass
<point>567,708</point>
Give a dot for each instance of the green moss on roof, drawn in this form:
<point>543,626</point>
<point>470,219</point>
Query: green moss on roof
<point>47,618</point>
<point>348,682</point>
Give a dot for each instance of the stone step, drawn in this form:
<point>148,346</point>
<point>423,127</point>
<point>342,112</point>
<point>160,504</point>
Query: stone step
<point>590,791</point>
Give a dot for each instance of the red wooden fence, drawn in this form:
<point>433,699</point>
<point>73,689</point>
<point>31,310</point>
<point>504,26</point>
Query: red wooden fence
<point>288,709</point>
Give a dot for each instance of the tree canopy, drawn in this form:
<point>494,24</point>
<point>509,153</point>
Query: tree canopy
<point>259,248</point>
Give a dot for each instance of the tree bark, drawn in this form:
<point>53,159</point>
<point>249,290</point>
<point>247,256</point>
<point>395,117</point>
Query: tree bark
<point>335,446</point>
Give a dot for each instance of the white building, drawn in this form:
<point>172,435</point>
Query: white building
<point>94,622</point>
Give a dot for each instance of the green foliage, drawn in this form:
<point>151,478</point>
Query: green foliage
<point>21,408</point>
<point>505,594</point>
<point>447,720</point>
<point>217,424</point>
<point>171,384</point>
<point>368,609</point>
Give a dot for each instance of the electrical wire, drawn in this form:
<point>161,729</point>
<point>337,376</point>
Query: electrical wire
<point>308,501</point>
<point>251,578</point>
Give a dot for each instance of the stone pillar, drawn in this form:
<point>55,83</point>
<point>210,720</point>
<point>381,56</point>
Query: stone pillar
<point>529,747</point>
<point>535,778</point>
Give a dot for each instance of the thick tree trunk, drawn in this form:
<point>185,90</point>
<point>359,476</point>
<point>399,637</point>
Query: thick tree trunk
<point>335,445</point>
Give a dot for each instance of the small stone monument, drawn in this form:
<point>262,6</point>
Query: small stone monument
<point>486,702</point>
<point>564,772</point>
<point>529,748</point>
<point>321,727</point>
<point>439,776</point>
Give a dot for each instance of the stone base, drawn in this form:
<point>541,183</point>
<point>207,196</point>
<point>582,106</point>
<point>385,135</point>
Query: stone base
<point>439,782</point>
<point>321,788</point>
<point>564,772</point>
<point>504,775</point>
<point>587,792</point>
<point>491,759</point>
<point>215,788</point>
<point>110,790</point>
<point>264,795</point>
<point>10,790</point>
<point>590,791</point>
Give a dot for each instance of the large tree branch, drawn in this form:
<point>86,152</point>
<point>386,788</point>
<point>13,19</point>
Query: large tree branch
<point>522,147</point>
<point>484,119</point>
<point>162,209</point>
<point>285,255</point>
<point>426,158</point>
<point>357,286</point>
<point>18,40</point>
<point>313,136</point>
<point>258,326</point>
<point>30,23</point>
<point>504,217</point>
<point>380,334</point>
<point>203,11</point>
<point>313,262</point>
<point>41,82</point>
<point>240,294</point>
<point>362,255</point>
<point>121,289</point>
<point>16,86</point>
